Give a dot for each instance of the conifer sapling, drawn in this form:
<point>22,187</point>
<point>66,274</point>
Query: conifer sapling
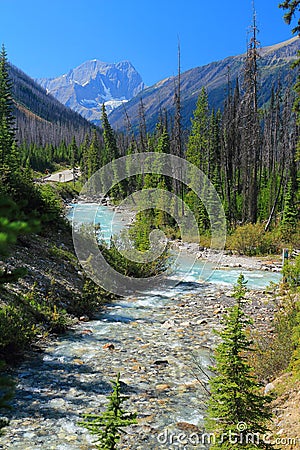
<point>238,412</point>
<point>108,426</point>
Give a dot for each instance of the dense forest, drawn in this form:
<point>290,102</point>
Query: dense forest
<point>248,153</point>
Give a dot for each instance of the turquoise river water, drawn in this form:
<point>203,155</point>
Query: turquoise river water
<point>157,341</point>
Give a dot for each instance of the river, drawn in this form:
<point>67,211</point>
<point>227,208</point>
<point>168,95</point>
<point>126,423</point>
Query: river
<point>157,341</point>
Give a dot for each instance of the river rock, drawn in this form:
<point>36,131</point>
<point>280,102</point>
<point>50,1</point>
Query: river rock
<point>162,387</point>
<point>158,361</point>
<point>185,426</point>
<point>269,387</point>
<point>109,346</point>
<point>168,324</point>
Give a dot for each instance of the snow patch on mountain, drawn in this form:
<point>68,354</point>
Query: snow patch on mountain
<point>86,87</point>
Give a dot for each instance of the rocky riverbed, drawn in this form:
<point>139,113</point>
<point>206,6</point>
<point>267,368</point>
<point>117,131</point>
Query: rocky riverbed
<point>229,259</point>
<point>161,344</point>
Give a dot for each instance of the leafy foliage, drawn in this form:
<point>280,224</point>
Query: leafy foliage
<point>7,389</point>
<point>292,6</point>
<point>291,273</point>
<point>251,239</point>
<point>295,361</point>
<point>10,229</point>
<point>17,329</point>
<point>274,352</point>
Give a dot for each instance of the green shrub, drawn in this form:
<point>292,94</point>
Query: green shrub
<point>59,320</point>
<point>274,351</point>
<point>291,273</point>
<point>127,262</point>
<point>61,253</point>
<point>10,230</point>
<point>129,265</point>
<point>52,207</point>
<point>46,310</point>
<point>17,329</point>
<point>91,298</point>
<point>251,239</point>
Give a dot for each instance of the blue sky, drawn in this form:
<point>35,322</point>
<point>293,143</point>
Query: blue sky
<point>47,39</point>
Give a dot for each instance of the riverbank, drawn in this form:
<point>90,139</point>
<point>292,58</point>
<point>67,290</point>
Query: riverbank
<point>227,259</point>
<point>51,297</point>
<point>161,343</point>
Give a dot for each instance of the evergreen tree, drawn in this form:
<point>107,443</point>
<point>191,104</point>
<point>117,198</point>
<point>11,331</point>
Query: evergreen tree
<point>93,157</point>
<point>84,160</point>
<point>108,426</point>
<point>293,7</point>
<point>230,155</point>
<point>142,137</point>
<point>7,132</point>
<point>197,146</point>
<point>12,181</point>
<point>111,151</point>
<point>197,153</point>
<point>289,215</point>
<point>73,153</point>
<point>236,396</point>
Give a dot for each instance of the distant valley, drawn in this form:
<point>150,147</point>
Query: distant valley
<point>53,108</point>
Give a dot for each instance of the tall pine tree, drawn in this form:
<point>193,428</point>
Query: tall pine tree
<point>7,132</point>
<point>250,150</point>
<point>236,396</point>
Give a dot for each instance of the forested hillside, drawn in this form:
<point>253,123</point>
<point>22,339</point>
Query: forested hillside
<point>274,63</point>
<point>248,151</point>
<point>40,118</point>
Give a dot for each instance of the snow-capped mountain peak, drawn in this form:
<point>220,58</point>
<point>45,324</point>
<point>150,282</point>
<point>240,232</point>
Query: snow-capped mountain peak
<point>86,87</point>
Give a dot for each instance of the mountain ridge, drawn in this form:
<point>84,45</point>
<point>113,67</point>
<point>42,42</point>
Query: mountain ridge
<point>40,118</point>
<point>86,87</point>
<point>274,66</point>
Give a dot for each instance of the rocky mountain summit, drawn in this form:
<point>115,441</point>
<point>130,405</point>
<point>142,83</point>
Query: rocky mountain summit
<point>85,88</point>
